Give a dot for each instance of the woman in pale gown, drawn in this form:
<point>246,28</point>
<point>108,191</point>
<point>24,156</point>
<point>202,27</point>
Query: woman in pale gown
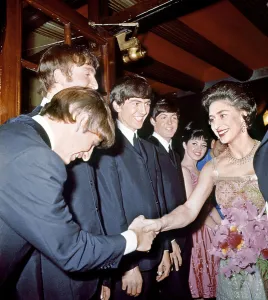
<point>203,266</point>
<point>231,113</point>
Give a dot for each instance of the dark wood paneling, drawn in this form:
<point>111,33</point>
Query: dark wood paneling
<point>11,63</point>
<point>109,62</point>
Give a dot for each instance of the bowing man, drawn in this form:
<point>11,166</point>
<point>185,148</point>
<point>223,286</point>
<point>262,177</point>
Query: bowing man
<point>63,66</point>
<point>35,219</point>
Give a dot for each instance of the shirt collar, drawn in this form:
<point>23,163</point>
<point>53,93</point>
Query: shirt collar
<point>43,122</point>
<point>45,101</point>
<point>164,143</point>
<point>128,133</point>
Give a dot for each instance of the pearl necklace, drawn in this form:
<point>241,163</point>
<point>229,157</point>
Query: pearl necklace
<point>245,159</point>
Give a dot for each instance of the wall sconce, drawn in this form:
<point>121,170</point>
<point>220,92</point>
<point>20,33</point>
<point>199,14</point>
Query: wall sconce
<point>131,49</point>
<point>265,118</point>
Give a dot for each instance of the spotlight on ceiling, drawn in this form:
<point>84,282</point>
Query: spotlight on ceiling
<point>131,49</point>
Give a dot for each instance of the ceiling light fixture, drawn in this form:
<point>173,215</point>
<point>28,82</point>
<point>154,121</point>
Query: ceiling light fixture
<point>131,49</point>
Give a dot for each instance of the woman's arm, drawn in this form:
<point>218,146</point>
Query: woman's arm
<point>215,216</point>
<point>186,213</point>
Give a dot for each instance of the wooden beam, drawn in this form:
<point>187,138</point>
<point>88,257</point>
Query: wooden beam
<point>186,38</point>
<point>108,59</point>
<point>256,11</point>
<point>67,34</point>
<point>167,75</point>
<point>11,63</point>
<point>63,13</point>
<point>29,65</point>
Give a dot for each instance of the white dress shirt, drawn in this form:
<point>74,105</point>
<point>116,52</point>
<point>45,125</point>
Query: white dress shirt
<point>163,142</point>
<point>129,235</point>
<point>45,101</point>
<point>128,133</point>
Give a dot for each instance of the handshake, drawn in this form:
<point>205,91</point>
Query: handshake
<point>146,230</point>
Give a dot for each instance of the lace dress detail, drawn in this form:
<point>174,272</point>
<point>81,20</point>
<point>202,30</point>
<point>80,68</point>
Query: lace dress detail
<point>203,266</point>
<point>228,189</point>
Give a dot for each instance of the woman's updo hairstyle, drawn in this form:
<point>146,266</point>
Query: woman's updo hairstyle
<point>235,93</point>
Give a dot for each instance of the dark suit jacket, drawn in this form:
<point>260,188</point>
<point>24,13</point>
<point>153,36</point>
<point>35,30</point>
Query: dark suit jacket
<point>34,215</point>
<point>261,166</point>
<point>173,183</point>
<point>129,184</point>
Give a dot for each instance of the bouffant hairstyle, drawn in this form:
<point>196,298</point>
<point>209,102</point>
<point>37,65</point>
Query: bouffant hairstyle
<point>192,131</point>
<point>235,93</point>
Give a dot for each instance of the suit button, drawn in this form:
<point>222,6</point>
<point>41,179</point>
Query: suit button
<point>157,202</point>
<point>97,209</point>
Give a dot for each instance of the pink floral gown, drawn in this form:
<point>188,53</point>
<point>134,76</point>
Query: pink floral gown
<point>229,189</point>
<point>204,267</point>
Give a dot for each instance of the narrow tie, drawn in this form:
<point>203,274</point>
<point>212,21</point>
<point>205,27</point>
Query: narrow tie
<point>171,154</point>
<point>136,143</point>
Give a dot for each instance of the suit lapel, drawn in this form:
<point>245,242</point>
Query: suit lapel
<point>163,151</point>
<point>124,142</point>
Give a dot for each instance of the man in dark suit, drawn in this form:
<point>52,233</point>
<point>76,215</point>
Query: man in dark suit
<point>129,183</point>
<point>165,119</point>
<point>33,212</point>
<point>261,166</point>
<point>60,67</point>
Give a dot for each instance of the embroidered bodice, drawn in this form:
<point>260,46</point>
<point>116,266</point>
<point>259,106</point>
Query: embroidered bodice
<point>228,189</point>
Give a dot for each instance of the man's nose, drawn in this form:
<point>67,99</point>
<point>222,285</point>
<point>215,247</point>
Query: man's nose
<point>94,84</point>
<point>142,109</point>
<point>169,121</point>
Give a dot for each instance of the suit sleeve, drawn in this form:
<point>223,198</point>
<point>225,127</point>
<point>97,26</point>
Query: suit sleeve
<point>163,236</point>
<point>32,204</point>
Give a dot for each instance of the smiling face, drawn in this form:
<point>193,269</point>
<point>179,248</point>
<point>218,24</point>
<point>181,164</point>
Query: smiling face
<point>166,125</point>
<point>225,120</point>
<point>133,112</point>
<point>195,148</point>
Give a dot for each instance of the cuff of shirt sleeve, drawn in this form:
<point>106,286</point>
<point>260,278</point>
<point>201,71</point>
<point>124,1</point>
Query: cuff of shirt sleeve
<point>131,241</point>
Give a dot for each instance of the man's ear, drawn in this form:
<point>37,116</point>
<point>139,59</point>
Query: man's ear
<point>152,121</point>
<point>116,106</point>
<point>59,77</point>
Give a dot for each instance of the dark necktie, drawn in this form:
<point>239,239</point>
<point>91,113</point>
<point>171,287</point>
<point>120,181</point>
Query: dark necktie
<point>136,143</point>
<point>171,154</point>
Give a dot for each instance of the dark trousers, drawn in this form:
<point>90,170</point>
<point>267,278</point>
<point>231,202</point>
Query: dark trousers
<point>149,287</point>
<point>176,285</point>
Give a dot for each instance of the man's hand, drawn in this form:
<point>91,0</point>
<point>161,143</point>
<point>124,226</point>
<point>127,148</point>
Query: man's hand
<point>105,293</point>
<point>144,239</point>
<point>132,282</point>
<point>152,225</point>
<point>175,256</point>
<point>164,267</point>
